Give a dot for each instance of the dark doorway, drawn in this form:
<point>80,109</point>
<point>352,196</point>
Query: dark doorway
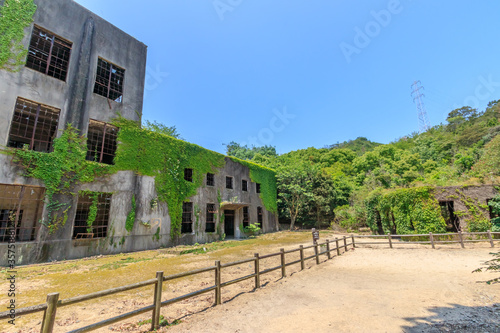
<point>229,222</point>
<point>448,213</point>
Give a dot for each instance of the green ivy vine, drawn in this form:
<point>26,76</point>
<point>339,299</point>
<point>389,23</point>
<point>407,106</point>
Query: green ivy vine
<point>165,158</point>
<point>15,17</point>
<point>405,211</point>
<point>129,223</point>
<point>59,170</point>
<point>266,177</point>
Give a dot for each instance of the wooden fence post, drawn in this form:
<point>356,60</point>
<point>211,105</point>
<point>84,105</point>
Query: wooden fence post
<point>337,244</point>
<point>461,239</point>
<point>257,271</point>
<point>155,320</point>
<point>432,240</point>
<point>316,252</point>
<point>283,267</point>
<point>490,238</point>
<point>302,265</point>
<point>353,243</point>
<point>328,249</point>
<point>49,316</point>
<point>345,244</point>
<point>389,237</point>
<point>218,298</point>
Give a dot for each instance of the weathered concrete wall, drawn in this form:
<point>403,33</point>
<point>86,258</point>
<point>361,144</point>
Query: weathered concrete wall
<point>91,37</point>
<point>460,195</point>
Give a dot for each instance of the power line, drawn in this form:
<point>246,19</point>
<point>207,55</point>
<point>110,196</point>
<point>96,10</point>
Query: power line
<point>417,95</point>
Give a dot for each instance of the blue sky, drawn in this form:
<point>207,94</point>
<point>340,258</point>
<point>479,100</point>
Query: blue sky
<point>296,74</point>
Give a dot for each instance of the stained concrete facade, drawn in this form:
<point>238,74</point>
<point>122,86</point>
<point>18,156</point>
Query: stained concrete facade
<point>454,201</point>
<point>92,38</point>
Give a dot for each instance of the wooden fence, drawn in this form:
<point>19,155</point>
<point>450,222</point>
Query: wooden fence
<point>53,302</point>
<point>449,238</point>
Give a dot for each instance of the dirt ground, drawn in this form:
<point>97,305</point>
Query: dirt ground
<point>366,290</point>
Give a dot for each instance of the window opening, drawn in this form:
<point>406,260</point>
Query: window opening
<point>101,142</point>
<point>48,54</point>
<point>210,179</point>
<point>187,217</point>
<point>33,124</point>
<point>109,80</point>
<point>99,226</point>
<point>210,224</point>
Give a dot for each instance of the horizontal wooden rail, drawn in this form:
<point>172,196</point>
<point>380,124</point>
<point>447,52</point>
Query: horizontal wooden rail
<point>194,272</point>
<point>52,299</point>
<point>103,293</point>
<point>244,261</point>
<point>240,279</point>
<point>113,320</point>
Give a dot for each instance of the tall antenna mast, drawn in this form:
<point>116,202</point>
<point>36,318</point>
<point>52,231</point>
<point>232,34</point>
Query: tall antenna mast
<point>417,95</point>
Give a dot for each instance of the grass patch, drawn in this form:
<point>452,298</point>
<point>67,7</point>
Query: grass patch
<point>163,322</point>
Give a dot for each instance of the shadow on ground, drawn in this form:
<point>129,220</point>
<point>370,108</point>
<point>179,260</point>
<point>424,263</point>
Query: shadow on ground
<point>457,318</point>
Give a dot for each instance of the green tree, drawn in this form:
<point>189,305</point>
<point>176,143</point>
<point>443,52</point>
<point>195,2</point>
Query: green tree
<point>162,129</point>
<point>295,190</point>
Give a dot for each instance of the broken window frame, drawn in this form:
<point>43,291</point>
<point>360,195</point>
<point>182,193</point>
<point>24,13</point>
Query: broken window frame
<point>257,187</point>
<point>99,227</point>
<point>246,217</point>
<point>49,54</point>
<point>109,80</point>
<point>101,147</point>
<point>229,182</point>
<point>244,185</point>
<point>187,218</point>
<point>188,175</point>
<point>20,205</point>
<point>33,124</point>
<point>210,218</point>
<point>260,216</point>
<point>210,179</point>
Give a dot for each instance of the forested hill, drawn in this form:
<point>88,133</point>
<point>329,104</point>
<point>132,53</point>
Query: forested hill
<point>317,184</point>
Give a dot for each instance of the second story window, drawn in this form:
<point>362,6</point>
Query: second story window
<point>229,182</point>
<point>34,125</point>
<point>48,54</point>
<point>188,174</point>
<point>257,187</point>
<point>210,179</point>
<point>101,142</point>
<point>244,185</point>
<point>109,80</point>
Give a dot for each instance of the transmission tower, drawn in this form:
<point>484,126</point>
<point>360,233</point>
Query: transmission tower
<point>417,95</point>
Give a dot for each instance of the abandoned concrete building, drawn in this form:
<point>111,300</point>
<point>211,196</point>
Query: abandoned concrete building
<point>459,204</point>
<point>83,71</point>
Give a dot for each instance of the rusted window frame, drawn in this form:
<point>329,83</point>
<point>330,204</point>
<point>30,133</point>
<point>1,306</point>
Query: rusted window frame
<point>246,217</point>
<point>229,182</point>
<point>210,218</point>
<point>244,185</point>
<point>257,187</point>
<point>31,59</point>
<point>187,218</point>
<point>260,216</point>
<point>98,86</point>
<point>210,179</point>
<point>24,125</point>
<point>102,144</point>
<point>101,222</point>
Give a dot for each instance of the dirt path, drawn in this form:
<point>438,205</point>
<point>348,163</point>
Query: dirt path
<point>365,290</point>
<point>368,290</point>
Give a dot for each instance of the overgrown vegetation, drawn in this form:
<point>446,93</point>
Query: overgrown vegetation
<point>388,187</point>
<point>60,170</point>
<point>15,17</point>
